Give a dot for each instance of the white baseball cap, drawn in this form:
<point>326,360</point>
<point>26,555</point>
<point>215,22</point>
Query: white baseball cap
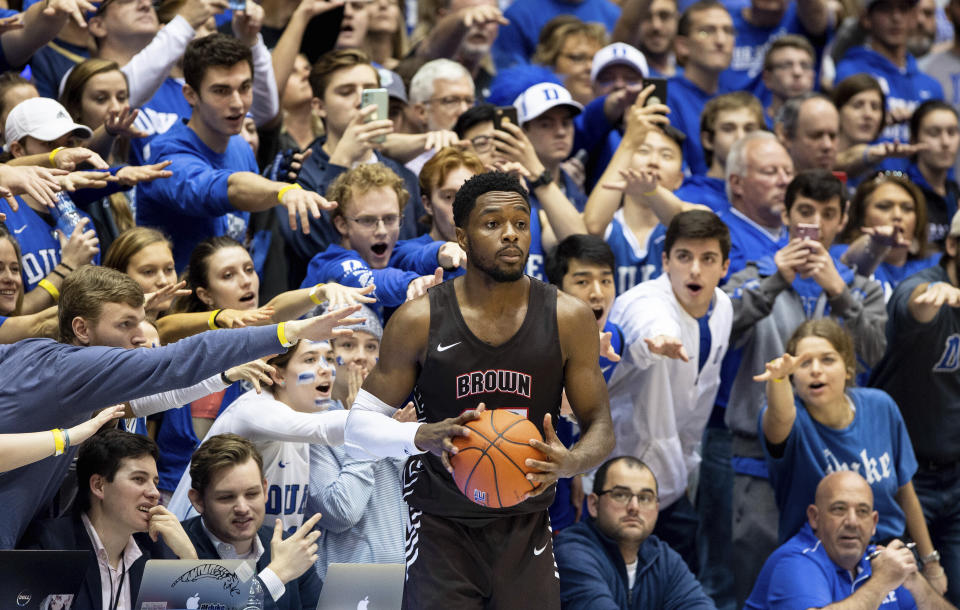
<point>618,53</point>
<point>542,97</point>
<point>41,118</point>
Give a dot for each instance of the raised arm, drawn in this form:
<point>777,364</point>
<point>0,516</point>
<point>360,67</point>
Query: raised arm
<point>781,410</point>
<point>927,299</point>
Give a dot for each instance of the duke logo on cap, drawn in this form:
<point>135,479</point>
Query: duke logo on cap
<point>542,97</point>
<point>618,53</point>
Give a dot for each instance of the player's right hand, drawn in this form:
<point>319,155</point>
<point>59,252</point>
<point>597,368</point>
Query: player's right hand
<point>437,438</point>
<point>292,557</point>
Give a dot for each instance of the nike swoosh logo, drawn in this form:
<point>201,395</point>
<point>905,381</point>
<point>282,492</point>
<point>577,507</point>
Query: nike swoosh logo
<point>20,230</point>
<point>281,465</point>
<point>443,348</point>
<point>604,369</point>
<point>537,552</point>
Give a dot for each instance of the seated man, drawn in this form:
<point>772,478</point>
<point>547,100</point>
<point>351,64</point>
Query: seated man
<point>676,331</point>
<point>594,556</point>
<point>217,183</point>
<point>368,217</point>
<point>117,517</point>
<point>229,492</point>
<point>831,562</point>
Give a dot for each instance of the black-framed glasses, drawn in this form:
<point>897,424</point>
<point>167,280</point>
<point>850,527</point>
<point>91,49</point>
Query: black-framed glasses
<point>390,221</point>
<point>622,495</point>
<point>482,143</point>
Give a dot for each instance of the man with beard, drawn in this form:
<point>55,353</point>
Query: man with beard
<point>830,562</point>
<point>594,556</point>
<point>919,370</point>
<point>651,26</point>
<point>492,318</point>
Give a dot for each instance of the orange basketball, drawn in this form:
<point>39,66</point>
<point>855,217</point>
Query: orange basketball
<point>490,466</point>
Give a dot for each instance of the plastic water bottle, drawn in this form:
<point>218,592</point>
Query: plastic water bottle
<point>65,214</point>
<point>255,598</point>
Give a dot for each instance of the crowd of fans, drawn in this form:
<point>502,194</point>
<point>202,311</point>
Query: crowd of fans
<point>756,198</point>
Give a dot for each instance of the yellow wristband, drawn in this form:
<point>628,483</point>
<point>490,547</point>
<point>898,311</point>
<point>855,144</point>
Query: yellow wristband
<point>53,155</point>
<point>776,379</point>
<point>313,294</point>
<point>284,190</point>
<point>282,335</point>
<point>212,320</point>
<point>58,441</point>
<point>49,287</point>
<point>653,192</point>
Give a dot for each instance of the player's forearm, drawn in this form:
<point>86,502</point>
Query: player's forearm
<point>249,192</point>
<point>596,441</point>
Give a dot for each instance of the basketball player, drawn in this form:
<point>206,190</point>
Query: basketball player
<point>496,337</point>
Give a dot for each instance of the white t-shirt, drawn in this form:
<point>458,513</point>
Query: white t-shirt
<point>283,437</point>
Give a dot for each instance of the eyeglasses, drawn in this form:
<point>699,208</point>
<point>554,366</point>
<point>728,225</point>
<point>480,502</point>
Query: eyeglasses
<point>622,495</point>
<point>390,221</point>
<point>450,101</point>
<point>482,143</point>
<point>359,5</point>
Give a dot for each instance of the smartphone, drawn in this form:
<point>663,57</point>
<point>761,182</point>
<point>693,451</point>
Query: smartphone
<point>237,5</point>
<point>504,112</point>
<point>379,97</point>
<point>808,231</point>
<point>659,95</point>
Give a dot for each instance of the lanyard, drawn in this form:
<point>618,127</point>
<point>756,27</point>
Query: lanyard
<point>123,572</point>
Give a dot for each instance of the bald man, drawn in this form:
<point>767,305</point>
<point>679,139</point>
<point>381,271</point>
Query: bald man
<point>830,563</point>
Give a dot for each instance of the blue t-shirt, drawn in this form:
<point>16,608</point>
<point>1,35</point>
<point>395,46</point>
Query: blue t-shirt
<point>874,445</point>
<point>800,575</point>
<point>164,110</point>
<point>635,262</point>
<point>517,41</point>
<point>193,205</point>
<point>889,275</point>
<point>905,88</point>
<point>420,255</point>
<point>39,245</point>
<point>705,190</point>
<point>748,240</point>
<point>347,267</point>
<point>536,260</point>
<point>686,102</point>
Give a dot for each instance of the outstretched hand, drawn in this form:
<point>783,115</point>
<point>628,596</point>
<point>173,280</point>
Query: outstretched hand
<point>419,286</point>
<point>667,346</point>
<point>606,347</point>
<point>560,462</point>
<point>780,368</point>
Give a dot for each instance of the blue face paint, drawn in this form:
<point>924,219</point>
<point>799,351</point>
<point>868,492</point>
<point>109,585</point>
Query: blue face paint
<point>339,360</point>
<point>323,404</point>
<point>306,378</point>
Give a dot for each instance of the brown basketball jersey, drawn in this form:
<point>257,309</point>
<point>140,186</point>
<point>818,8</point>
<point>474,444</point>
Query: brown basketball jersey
<point>524,375</point>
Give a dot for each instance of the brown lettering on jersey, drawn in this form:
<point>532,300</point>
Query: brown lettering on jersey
<point>494,380</point>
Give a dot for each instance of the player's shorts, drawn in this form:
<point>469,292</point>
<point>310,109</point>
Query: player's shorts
<point>505,565</point>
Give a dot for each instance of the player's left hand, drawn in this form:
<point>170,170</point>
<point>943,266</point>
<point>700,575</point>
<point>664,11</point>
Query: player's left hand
<point>164,523</point>
<point>561,464</point>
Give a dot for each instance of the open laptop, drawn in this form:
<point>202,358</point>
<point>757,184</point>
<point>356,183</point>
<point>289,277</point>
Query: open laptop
<point>195,584</point>
<point>35,580</point>
<point>362,586</point>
